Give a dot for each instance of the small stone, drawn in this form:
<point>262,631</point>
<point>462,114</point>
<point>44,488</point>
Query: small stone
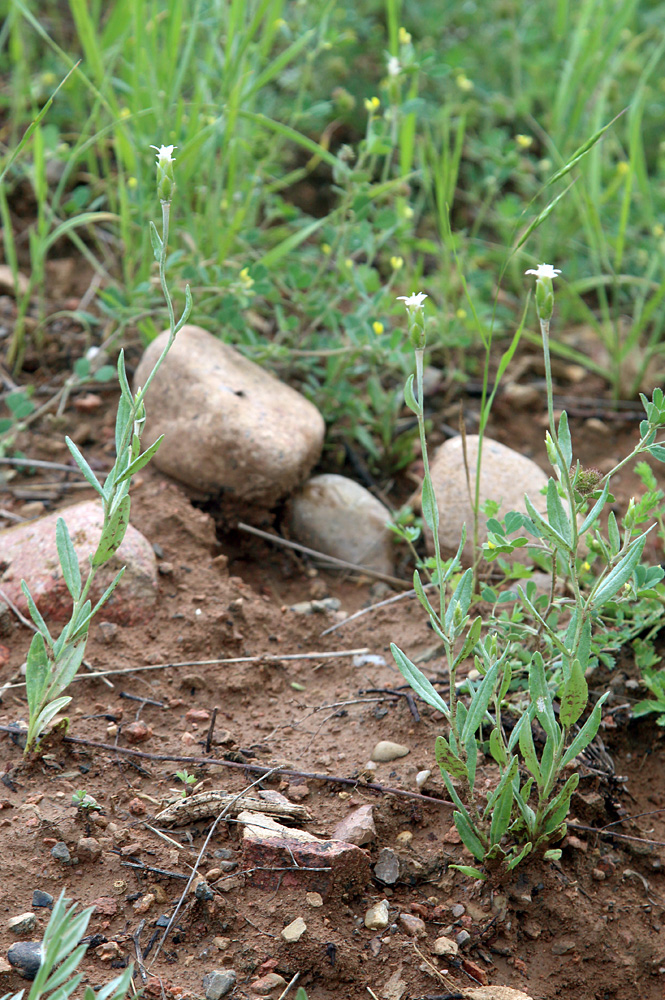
<point>25,923</point>
<point>495,993</point>
<point>404,837</point>
<point>137,807</point>
<point>458,910</point>
<point>386,868</point>
<point>197,715</point>
<point>462,938</point>
<point>218,983</point>
<point>266,984</point>
<point>137,732</point>
<point>221,942</point>
<point>452,836</point>
<point>445,946</point>
<point>41,898</point>
<point>356,828</point>
<point>108,632</point>
<point>106,906</point>
<point>598,875</point>
<point>165,568</point>
<point>89,849</point>
<point>188,739</point>
<point>88,403</point>
<point>561,946</point>
<point>532,929</point>
<point>385,751</point>
<point>377,917</point>
<point>61,852</point>
<point>298,793</point>
<point>203,892</point>
<point>314,899</point>
<point>295,930</point>
<point>144,904</point>
<point>422,778</point>
<point>26,957</point>
<point>576,843</point>
<point>414,926</point>
<point>108,951</point>
<point>605,865</point>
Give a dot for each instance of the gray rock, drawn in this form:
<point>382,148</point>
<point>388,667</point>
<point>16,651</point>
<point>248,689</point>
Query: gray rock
<point>88,849</point>
<point>338,516</point>
<point>412,925</point>
<point>458,910</point>
<point>445,946</point>
<point>61,852</point>
<point>229,426</point>
<point>385,750</point>
<point>562,945</point>
<point>295,930</point>
<point>386,868</point>
<point>41,898</point>
<point>24,923</point>
<point>505,477</point>
<point>377,917</point>
<point>356,828</point>
<point>218,983</point>
<point>463,938</point>
<point>203,892</point>
<point>26,957</point>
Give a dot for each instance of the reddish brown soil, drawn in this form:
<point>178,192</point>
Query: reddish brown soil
<point>228,597</point>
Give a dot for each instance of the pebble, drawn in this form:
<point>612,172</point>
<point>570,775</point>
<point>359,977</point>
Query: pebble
<point>137,807</point>
<point>266,984</point>
<point>248,435</point>
<point>422,778</point>
<point>197,715</point>
<point>108,632</point>
<point>41,898</point>
<point>203,892</point>
<point>462,938</point>
<point>532,929</point>
<point>89,849</point>
<point>562,946</point>
<point>295,930</point>
<point>218,983</point>
<point>338,516</point>
<point>505,477</point>
<point>404,837</point>
<point>495,993</point>
<point>26,957</point>
<point>61,852</point>
<point>445,946</point>
<point>414,926</point>
<point>385,751</point>
<point>323,607</point>
<point>598,875</point>
<point>144,904</point>
<point>314,899</point>
<point>297,793</point>
<point>24,923</point>
<point>356,828</point>
<point>377,917</point>
<point>458,910</point>
<point>386,868</point>
<point>137,732</point>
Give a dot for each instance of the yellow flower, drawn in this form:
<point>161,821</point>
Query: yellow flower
<point>246,278</point>
<point>280,23</point>
<point>372,104</point>
<point>586,566</point>
<point>326,249</point>
<point>378,327</point>
<point>125,113</point>
<point>48,79</point>
<point>348,263</point>
<point>463,82</point>
<point>491,545</point>
<point>407,212</point>
<point>524,141</point>
<point>404,36</point>
<point>622,168</point>
<point>132,183</point>
<point>396,263</point>
<point>461,313</point>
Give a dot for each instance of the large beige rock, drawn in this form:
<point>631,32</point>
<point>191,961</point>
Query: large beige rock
<point>339,517</point>
<point>229,427</point>
<point>28,552</point>
<point>505,477</point>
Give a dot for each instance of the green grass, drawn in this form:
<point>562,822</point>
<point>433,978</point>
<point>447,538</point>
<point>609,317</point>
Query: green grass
<point>293,200</point>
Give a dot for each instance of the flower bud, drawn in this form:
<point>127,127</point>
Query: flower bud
<point>165,178</point>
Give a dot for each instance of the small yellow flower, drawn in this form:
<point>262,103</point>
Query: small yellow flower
<point>524,141</point>
<point>461,313</point>
<point>622,168</point>
<point>132,183</point>
<point>586,566</point>
<point>491,545</point>
<point>372,104</point>
<point>404,36</point>
<point>463,82</point>
<point>397,263</point>
<point>224,204</point>
<point>280,23</point>
<point>326,249</point>
<point>48,79</point>
<point>125,113</point>
<point>378,327</point>
<point>348,263</point>
<point>246,279</point>
<point>407,212</point>
<point>658,231</point>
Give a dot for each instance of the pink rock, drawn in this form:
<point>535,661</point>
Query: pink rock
<point>28,552</point>
<point>356,828</point>
<point>197,715</point>
<point>323,866</point>
<point>413,925</point>
<point>137,732</point>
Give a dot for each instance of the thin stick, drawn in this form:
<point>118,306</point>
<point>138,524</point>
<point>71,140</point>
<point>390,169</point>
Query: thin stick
<point>260,658</point>
<point>288,986</point>
<point>342,563</point>
<point>211,728</point>
<point>38,464</point>
<point>374,607</point>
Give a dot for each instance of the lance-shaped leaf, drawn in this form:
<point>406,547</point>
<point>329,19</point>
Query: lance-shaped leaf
<point>447,760</point>
<point>113,532</point>
<point>460,600</point>
<point>613,534</point>
<point>575,696</point>
<point>37,669</point>
<point>35,615</point>
<point>507,778</point>
<point>564,440</point>
<point>557,515</point>
<point>541,698</point>
<point>428,505</point>
<point>421,595</point>
<point>84,467</point>
<point>49,713</point>
<point>520,857</point>
<point>595,510</point>
<point>586,733</point>
<point>65,669</point>
<point>156,241</point>
<point>418,681</point>
<point>497,748</point>
<point>502,812</point>
<point>68,559</point>
<point>528,815</point>
<point>471,748</point>
<point>470,872</point>
<point>469,836</point>
<point>558,808</point>
<point>621,574</point>
<point>479,703</point>
<point>410,398</point>
<point>544,528</point>
<point>528,751</point>
<point>139,462</point>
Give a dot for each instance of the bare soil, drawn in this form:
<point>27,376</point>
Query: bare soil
<point>558,931</point>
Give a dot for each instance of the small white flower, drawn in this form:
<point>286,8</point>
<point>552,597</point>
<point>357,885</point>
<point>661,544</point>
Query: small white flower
<point>164,154</point>
<point>394,68</point>
<point>544,271</point>
<point>540,704</point>
<point>413,301</point>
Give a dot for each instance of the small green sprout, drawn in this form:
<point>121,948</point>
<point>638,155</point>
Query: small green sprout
<point>84,801</point>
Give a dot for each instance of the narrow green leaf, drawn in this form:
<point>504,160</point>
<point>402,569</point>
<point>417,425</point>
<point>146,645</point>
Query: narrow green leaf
<point>409,396</point>
<point>613,535</point>
<point>621,573</point>
<point>156,241</point>
<point>471,641</point>
<point>35,615</point>
<point>460,599</point>
<point>84,467</point>
<point>449,761</point>
<point>469,837</point>
<point>575,696</point>
<point>66,668</point>
<point>541,697</point>
<point>520,857</point>
<point>501,814</point>
<point>557,810</point>
<point>470,871</point>
<point>557,516</point>
<point>68,559</point>
<point>429,508</point>
<point>37,669</point>
<point>418,681</point>
<point>479,703</point>
<point>471,748</point>
<point>113,533</point>
<point>141,461</point>
<point>595,510</point>
<point>497,748</point>
<point>421,595</point>
<point>528,752</point>
<point>586,733</point>
<point>565,442</point>
<point>545,529</point>
<point>507,778</point>
<point>50,712</point>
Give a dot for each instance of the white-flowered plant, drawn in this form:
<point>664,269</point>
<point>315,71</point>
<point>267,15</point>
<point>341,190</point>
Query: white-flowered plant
<point>52,663</point>
<point>522,814</point>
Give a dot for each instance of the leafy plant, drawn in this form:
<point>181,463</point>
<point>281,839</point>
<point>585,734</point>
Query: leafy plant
<point>61,955</point>
<point>85,802</point>
<point>187,779</point>
<point>53,663</point>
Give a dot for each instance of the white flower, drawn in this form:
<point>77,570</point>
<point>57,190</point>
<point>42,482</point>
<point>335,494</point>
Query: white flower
<point>394,68</point>
<point>413,301</point>
<point>164,154</point>
<point>540,704</point>
<point>544,271</point>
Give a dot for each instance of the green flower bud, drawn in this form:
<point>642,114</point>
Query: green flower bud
<point>165,178</point>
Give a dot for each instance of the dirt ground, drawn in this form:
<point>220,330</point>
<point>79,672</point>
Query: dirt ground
<point>588,927</point>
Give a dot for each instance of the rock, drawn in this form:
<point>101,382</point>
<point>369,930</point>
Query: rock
<point>404,838</point>
<point>266,984</point>
<point>295,930</point>
<point>29,553</point>
<point>88,849</point>
<point>414,926</point>
<point>385,751</point>
<point>197,715</point>
<point>144,904</point>
<point>562,945</point>
<point>356,828</point>
<point>106,906</point>
<point>386,868</point>
<point>268,844</point>
<point>137,807</point>
<point>458,910</point>
<point>445,946</point>
<point>298,793</point>
<point>338,516</point>
<point>532,929</point>
<point>314,899</point>
<point>422,778</point>
<point>61,852</point>
<point>377,917</point>
<point>505,477</point>
<point>107,632</point>
<point>229,426</point>
<point>7,283</point>
<point>41,898</point>
<point>26,957</point>
<point>324,607</point>
<point>463,938</point>
<point>218,983</point>
<point>495,993</point>
<point>598,875</point>
<point>137,732</point>
<point>24,923</point>
<point>203,892</point>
